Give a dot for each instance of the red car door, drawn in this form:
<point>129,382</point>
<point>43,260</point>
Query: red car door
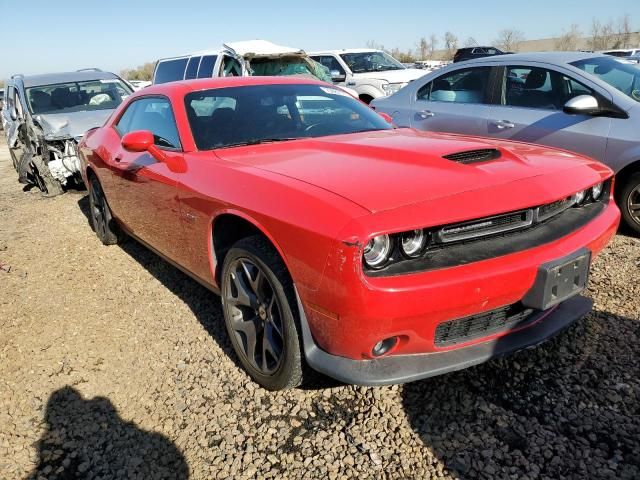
<point>144,189</point>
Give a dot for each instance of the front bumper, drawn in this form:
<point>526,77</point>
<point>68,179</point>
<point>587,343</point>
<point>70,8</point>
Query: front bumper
<point>407,368</point>
<point>348,315</point>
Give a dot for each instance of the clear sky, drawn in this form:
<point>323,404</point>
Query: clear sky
<point>40,36</point>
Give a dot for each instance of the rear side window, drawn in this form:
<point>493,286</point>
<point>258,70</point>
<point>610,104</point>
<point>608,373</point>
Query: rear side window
<point>170,70</point>
<point>153,114</point>
<point>192,68</point>
<point>206,66</point>
<point>468,85</point>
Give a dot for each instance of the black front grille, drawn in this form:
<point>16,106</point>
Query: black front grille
<point>485,226</point>
<point>474,156</point>
<point>482,325</point>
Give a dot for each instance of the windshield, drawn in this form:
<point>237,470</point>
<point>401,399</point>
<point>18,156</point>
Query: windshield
<point>371,62</point>
<point>77,96</point>
<point>285,66</point>
<point>619,74</point>
<point>233,116</point>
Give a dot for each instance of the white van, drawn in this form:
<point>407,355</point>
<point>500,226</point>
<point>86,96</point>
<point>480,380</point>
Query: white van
<point>253,57</point>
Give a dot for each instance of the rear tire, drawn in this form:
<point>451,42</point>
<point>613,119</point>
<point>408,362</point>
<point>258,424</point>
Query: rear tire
<point>100,216</point>
<point>629,202</point>
<point>260,310</point>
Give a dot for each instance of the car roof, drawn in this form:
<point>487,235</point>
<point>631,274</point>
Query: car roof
<point>261,48</point>
<point>51,78</point>
<point>187,86</point>
<point>551,57</point>
<point>346,50</point>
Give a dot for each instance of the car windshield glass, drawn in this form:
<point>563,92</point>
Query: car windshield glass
<point>619,74</point>
<point>233,116</point>
<point>371,62</point>
<point>285,66</point>
<point>77,96</point>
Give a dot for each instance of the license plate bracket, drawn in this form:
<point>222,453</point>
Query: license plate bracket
<point>559,280</point>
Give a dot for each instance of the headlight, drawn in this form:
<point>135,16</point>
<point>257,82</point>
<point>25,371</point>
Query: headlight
<point>580,196</point>
<point>596,191</point>
<point>377,251</point>
<point>413,242</point>
<point>391,88</point>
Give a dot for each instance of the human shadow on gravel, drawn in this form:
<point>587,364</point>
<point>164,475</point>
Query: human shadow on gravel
<point>569,408</point>
<point>88,439</point>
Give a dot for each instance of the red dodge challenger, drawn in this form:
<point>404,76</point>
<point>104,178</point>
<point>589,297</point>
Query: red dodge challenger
<point>372,254</point>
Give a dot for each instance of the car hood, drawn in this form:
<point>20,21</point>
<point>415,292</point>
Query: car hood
<point>70,125</point>
<point>388,169</point>
<point>393,76</point>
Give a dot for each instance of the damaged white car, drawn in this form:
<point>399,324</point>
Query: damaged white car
<point>46,115</point>
<point>240,59</point>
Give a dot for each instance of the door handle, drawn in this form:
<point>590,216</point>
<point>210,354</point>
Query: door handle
<point>424,114</point>
<point>504,124</point>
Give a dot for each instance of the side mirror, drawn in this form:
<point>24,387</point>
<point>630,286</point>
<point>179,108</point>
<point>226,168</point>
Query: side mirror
<point>387,117</point>
<point>142,141</point>
<point>582,105</point>
<point>138,141</point>
<point>13,114</point>
<point>337,77</point>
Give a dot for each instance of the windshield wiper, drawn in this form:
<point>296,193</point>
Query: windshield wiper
<point>258,141</point>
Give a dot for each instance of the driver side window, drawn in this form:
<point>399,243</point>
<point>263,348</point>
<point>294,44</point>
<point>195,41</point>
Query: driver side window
<point>155,115</point>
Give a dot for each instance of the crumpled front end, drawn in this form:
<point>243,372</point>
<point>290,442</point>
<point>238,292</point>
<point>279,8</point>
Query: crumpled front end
<point>64,163</point>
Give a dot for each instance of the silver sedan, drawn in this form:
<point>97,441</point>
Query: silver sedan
<point>583,102</point>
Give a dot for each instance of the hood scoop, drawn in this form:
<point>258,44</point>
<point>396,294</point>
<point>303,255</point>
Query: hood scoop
<point>474,156</point>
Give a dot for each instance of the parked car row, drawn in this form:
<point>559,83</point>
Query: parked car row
<point>582,102</point>
<point>339,240</point>
<point>366,73</point>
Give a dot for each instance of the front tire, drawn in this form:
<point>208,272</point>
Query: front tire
<point>260,309</point>
<point>629,201</point>
<point>49,186</point>
<point>100,216</point>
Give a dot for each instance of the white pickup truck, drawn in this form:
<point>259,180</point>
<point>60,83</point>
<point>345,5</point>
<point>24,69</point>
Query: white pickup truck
<point>371,73</point>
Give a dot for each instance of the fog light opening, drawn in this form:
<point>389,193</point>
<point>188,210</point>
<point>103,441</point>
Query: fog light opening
<point>384,346</point>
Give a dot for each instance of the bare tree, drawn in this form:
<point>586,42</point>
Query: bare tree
<point>433,45</point>
<point>509,39</point>
<point>470,42</point>
<point>624,31</point>
<point>450,45</point>
<point>373,45</point>
<point>569,39</point>
<point>143,72</point>
<point>602,36</point>
<point>423,48</point>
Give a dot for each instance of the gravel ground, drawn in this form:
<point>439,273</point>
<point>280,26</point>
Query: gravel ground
<point>113,364</point>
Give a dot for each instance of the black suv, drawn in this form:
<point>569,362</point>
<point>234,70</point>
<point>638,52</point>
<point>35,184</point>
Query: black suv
<point>476,52</point>
<point>44,116</point>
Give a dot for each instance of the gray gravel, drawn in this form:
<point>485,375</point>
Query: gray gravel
<point>115,365</point>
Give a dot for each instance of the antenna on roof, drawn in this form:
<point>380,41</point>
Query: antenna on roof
<point>91,69</point>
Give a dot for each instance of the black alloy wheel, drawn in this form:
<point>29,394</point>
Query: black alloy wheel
<point>259,304</point>
<point>256,317</point>
<point>100,215</point>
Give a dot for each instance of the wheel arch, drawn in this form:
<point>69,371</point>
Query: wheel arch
<point>229,226</point>
<point>622,176</point>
